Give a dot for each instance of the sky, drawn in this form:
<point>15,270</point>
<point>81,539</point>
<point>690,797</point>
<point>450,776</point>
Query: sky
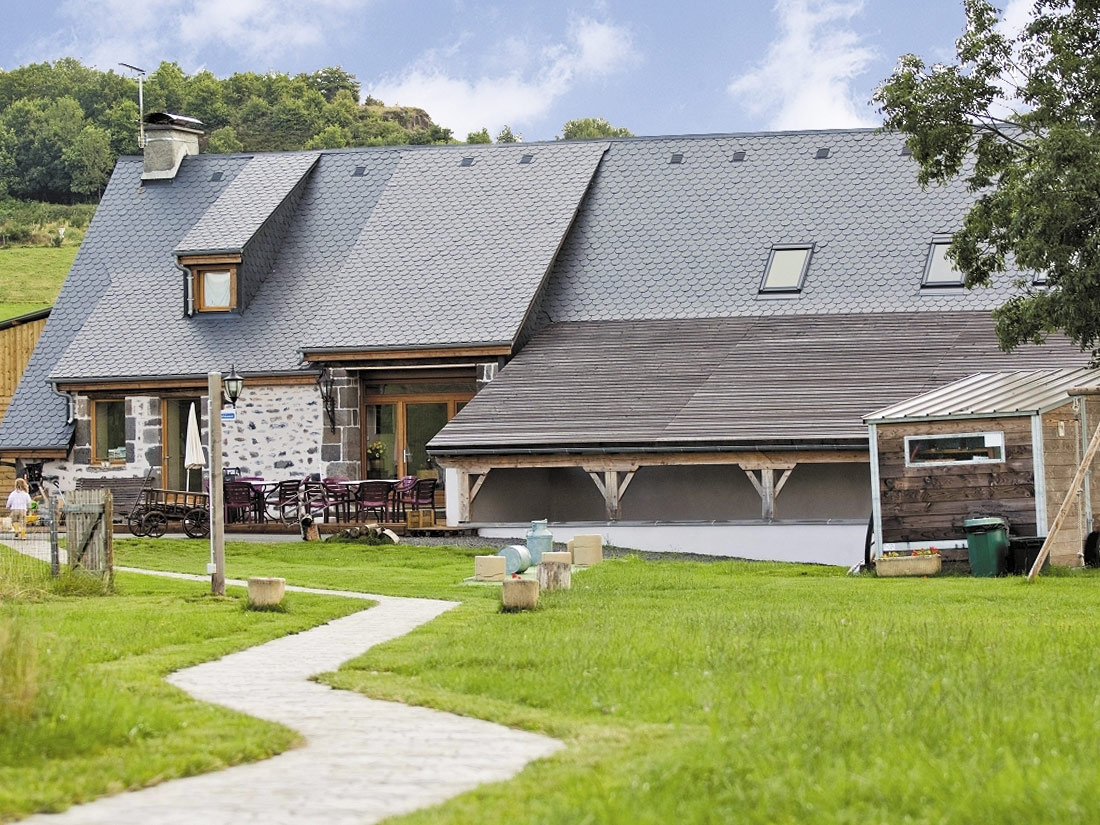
<point>653,66</point>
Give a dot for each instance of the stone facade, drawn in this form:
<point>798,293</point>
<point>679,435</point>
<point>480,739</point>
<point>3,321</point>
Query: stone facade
<point>280,432</point>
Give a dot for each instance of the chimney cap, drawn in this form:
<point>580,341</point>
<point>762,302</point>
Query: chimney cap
<point>169,119</point>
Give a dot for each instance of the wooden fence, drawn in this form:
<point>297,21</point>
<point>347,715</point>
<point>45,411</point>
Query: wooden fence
<point>89,535</point>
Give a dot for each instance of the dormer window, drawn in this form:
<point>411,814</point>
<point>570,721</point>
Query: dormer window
<point>213,283</point>
<point>939,270</point>
<point>786,268</point>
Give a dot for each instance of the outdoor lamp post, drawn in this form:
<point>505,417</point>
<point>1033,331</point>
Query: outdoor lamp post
<point>233,384</point>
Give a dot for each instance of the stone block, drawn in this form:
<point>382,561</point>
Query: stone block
<point>554,575</point>
<point>264,592</point>
<point>558,556</point>
<point>519,594</point>
<point>587,550</point>
<point>83,431</point>
<point>330,452</point>
<point>489,568</point>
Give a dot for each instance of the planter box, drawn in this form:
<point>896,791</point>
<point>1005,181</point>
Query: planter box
<point>908,565</point>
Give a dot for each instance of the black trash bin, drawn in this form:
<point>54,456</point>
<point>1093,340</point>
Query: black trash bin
<point>1023,551</point>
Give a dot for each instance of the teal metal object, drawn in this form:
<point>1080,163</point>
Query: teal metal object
<point>539,540</point>
<point>516,559</point>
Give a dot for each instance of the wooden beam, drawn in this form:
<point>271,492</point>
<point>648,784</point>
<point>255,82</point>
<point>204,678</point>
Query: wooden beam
<point>783,480</point>
<point>1067,505</point>
<point>628,462</point>
<point>406,354</point>
<point>477,485</point>
<point>140,385</point>
<point>463,496</point>
<point>755,482</point>
<point>193,260</point>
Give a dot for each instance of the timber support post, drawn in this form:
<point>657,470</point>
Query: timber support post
<point>612,488</point>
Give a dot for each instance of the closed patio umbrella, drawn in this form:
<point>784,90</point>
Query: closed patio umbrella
<point>193,456</point>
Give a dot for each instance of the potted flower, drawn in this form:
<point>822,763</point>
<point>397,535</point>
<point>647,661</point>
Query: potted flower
<point>376,451</point>
<point>924,561</point>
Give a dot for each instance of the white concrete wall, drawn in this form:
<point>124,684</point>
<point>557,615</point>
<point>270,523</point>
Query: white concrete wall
<point>835,543</point>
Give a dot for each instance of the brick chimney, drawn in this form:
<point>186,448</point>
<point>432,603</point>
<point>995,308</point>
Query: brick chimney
<point>168,139</point>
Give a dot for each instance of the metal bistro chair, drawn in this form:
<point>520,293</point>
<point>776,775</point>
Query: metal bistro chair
<point>373,497</point>
<point>283,500</point>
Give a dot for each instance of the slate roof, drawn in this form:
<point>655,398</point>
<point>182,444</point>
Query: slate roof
<point>418,250</point>
<point>782,380</point>
<point>985,394</point>
<point>660,240</point>
<point>247,203</point>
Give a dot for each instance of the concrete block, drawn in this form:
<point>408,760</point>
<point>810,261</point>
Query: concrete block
<point>263,592</point>
<point>519,594</point>
<point>489,568</point>
<point>587,550</point>
<point>555,575</point>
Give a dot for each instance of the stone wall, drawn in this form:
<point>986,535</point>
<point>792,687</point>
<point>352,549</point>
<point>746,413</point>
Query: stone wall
<point>280,432</point>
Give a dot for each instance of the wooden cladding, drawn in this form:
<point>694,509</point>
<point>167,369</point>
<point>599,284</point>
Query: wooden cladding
<point>16,345</point>
<point>929,503</point>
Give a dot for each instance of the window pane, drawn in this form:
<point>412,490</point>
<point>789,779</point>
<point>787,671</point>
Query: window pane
<point>940,269</point>
<point>422,422</point>
<point>215,289</point>
<point>949,449</point>
<point>785,270</point>
<point>381,421</point>
<point>110,430</point>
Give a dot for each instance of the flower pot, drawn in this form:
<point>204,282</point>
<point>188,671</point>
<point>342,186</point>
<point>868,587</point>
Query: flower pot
<point>908,565</point>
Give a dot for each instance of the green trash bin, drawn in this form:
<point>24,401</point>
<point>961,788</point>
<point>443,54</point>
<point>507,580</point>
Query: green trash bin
<point>987,544</point>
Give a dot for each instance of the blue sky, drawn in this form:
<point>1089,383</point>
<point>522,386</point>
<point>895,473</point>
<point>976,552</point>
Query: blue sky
<point>654,66</point>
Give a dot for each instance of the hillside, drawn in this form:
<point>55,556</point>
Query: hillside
<point>30,277</point>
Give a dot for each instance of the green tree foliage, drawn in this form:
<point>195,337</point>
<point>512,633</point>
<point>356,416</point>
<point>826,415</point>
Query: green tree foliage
<point>506,135</point>
<point>587,128</point>
<point>56,119</point>
<point>1017,117</point>
<point>479,137</point>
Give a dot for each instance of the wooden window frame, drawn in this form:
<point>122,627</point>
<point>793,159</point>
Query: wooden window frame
<point>96,458</point>
<point>198,286</point>
<point>794,289</point>
<point>452,400</point>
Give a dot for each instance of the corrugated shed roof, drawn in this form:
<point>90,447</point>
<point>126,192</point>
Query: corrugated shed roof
<point>243,206</point>
<point>615,385</point>
<point>1019,392</point>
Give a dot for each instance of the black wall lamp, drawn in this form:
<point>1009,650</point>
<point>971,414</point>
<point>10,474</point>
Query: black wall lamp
<point>326,385</point>
<point>232,385</point>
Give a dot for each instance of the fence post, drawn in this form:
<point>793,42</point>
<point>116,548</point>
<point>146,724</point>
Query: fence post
<point>55,555</point>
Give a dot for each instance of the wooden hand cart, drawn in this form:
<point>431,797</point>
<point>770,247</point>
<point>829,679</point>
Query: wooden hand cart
<point>155,508</point>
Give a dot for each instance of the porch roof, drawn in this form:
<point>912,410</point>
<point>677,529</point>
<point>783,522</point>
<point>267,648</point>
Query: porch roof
<point>620,385</point>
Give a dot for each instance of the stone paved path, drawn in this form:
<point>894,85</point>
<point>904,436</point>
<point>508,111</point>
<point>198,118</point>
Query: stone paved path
<point>364,759</point>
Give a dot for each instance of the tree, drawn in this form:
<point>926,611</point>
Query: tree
<point>331,137</point>
<point>224,141</point>
<point>587,128</point>
<point>479,137</point>
<point>1017,117</point>
<point>90,160</point>
<point>506,135</point>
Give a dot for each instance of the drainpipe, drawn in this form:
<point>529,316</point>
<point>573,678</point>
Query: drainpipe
<point>188,290</point>
<point>70,400</point>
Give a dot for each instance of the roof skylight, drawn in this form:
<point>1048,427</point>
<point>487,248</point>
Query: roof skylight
<point>467,162</point>
<point>786,268</point>
<point>938,270</point>
<point>738,156</point>
<point>677,157</point>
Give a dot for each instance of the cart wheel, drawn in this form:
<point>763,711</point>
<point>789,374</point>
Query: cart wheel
<point>134,522</point>
<point>154,524</point>
<point>196,523</point>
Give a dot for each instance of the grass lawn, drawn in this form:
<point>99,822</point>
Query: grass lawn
<point>31,276</point>
<point>84,709</point>
<point>742,692</point>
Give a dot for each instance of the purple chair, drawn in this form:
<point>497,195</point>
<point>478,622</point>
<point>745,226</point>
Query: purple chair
<point>373,497</point>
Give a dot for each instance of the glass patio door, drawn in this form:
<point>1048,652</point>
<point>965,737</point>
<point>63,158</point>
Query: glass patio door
<point>174,444</point>
<point>422,422</point>
<point>404,426</point>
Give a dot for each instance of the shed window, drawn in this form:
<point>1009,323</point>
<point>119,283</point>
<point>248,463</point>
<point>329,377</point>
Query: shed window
<point>939,271</point>
<point>956,448</point>
<point>786,270</point>
<point>216,289</point>
<point>109,431</point>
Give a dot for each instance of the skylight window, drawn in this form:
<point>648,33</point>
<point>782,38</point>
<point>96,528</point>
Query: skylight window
<point>526,158</point>
<point>822,153</point>
<point>677,157</point>
<point>467,162</point>
<point>939,270</point>
<point>786,268</point>
<point>359,172</point>
<point>738,156</point>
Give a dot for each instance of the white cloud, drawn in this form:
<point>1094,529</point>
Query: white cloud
<point>143,32</point>
<point>593,49</point>
<point>805,80</point>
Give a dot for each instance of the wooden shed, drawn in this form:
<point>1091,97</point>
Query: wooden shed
<point>992,444</point>
<point>17,339</point>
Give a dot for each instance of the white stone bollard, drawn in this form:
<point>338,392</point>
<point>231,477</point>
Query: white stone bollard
<point>519,594</point>
<point>489,568</point>
<point>265,592</point>
<point>587,550</point>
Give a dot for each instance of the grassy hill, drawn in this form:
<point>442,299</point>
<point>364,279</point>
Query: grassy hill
<point>31,276</point>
